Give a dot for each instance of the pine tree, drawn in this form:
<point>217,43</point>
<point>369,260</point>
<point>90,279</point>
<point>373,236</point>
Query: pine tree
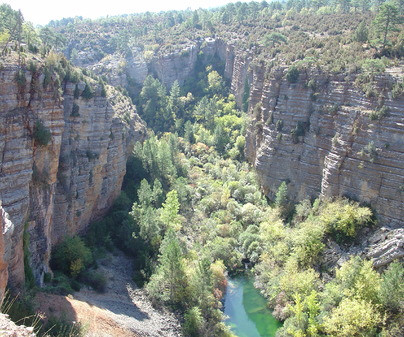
<point>386,20</point>
<point>281,197</point>
<point>169,282</point>
<point>361,33</point>
<point>169,214</point>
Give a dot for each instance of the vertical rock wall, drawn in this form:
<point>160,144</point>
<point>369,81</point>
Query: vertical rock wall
<point>323,141</point>
<point>53,190</point>
<point>95,145</point>
<point>28,170</point>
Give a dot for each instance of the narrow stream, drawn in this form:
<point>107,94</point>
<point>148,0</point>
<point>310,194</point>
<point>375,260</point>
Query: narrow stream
<point>247,310</point>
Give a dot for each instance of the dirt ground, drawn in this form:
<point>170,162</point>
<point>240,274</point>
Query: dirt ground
<point>123,310</point>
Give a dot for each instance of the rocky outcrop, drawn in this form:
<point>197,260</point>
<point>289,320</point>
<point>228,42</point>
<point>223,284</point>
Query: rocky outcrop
<point>386,246</point>
<point>176,66</point>
<point>9,329</point>
<point>122,71</point>
<point>28,170</point>
<point>6,229</point>
<point>54,188</point>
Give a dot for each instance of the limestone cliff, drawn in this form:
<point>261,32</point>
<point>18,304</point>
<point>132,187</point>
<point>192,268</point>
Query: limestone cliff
<point>328,139</point>
<point>54,188</point>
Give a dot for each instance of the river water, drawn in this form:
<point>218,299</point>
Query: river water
<point>247,310</point>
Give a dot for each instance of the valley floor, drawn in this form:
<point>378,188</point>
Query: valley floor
<point>123,310</point>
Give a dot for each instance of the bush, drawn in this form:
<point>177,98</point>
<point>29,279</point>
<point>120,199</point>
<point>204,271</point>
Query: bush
<point>20,78</point>
<point>379,113</point>
<point>71,256</point>
<point>98,235</point>
<point>75,110</point>
<point>292,75</point>
<point>76,93</point>
<point>281,197</point>
<point>61,285</point>
<point>88,92</point>
<point>392,287</point>
<point>343,218</point>
<point>96,280</point>
<point>193,322</point>
<point>59,328</point>
<point>352,318</point>
<point>42,135</point>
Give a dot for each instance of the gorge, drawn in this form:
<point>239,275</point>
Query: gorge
<point>66,136</point>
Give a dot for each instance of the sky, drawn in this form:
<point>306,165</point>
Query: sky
<point>40,12</point>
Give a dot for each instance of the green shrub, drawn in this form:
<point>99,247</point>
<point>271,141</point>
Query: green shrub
<point>88,92</point>
<point>392,287</point>
<point>20,78</point>
<point>75,110</point>
<point>343,219</point>
<point>398,90</point>
<point>76,93</point>
<point>373,66</point>
<point>193,322</point>
<point>95,279</point>
<point>103,90</point>
<point>71,256</point>
<point>352,318</point>
<point>292,75</point>
<point>379,113</point>
<point>42,135</point>
<point>98,234</point>
<point>369,151</point>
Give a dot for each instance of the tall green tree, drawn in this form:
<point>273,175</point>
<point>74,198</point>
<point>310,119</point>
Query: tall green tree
<point>392,287</point>
<point>386,21</point>
<point>169,282</point>
<point>169,215</point>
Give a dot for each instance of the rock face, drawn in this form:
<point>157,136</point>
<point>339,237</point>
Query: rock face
<point>9,329</point>
<point>55,189</point>
<point>122,71</point>
<point>324,141</point>
<point>95,145</point>
<point>27,170</point>
<point>386,246</point>
<point>6,229</point>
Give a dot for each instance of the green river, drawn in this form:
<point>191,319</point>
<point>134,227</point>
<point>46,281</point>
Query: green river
<point>247,310</point>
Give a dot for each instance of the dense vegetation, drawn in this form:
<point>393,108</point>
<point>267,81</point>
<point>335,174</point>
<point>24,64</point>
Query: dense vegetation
<point>191,210</point>
<point>276,32</point>
<point>198,214</point>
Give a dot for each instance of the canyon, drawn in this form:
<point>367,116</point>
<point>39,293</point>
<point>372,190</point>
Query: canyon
<point>320,139</point>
